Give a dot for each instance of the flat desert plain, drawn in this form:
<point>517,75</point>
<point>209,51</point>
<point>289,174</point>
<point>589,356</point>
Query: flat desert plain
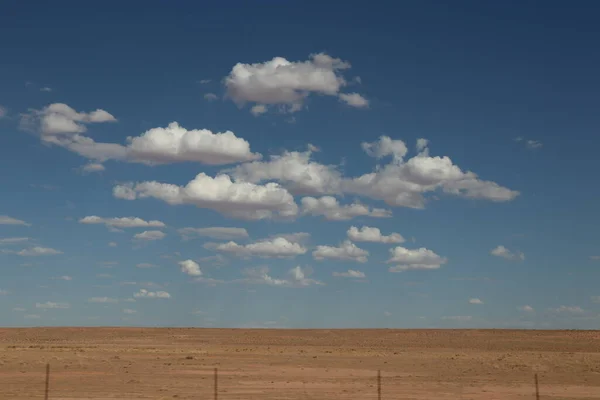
<point>177,363</point>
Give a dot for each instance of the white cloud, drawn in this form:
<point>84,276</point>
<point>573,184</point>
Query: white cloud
<point>533,144</point>
<point>568,310</point>
<point>31,316</point>
<point>277,247</point>
<point>408,259</point>
<point>59,119</point>
<point>145,265</point>
<point>145,294</point>
<point>215,232</point>
<point>102,300</point>
<point>149,235</point>
<point>38,251</point>
<point>286,83</point>
<point>475,301</point>
<point>297,277</point>
<point>112,244</point>
<point>331,209</point>
<point>259,109</point>
<point>347,251</point>
<point>45,89</point>
<point>386,146</point>
<point>65,278</point>
<point>129,311</point>
<point>351,273</point>
<point>60,125</point>
<point>210,97</point>
<point>13,240</point>
<point>239,200</point>
<point>387,313</point>
<point>52,305</point>
<point>190,267</point>
<point>595,258</point>
<point>3,112</point>
<point>204,81</point>
<point>404,184</point>
<point>501,251</point>
<point>369,234</point>
<point>460,318</point>
<point>294,170</point>
<point>19,309</point>
<point>176,144</point>
<point>93,167</point>
<point>124,222</point>
<point>354,100</point>
<point>6,220</point>
<point>525,308</point>
<point>4,292</point>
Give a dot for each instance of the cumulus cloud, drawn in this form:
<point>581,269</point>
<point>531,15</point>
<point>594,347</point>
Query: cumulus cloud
<point>296,277</point>
<point>288,83</point>
<point>123,222</point>
<point>238,200</point>
<point>52,305</point>
<point>408,259</point>
<point>145,294</point>
<point>38,251</point>
<point>60,119</point>
<point>176,144</point>
<point>475,301</point>
<point>331,209</point>
<point>386,146</point>
<point>354,100</point>
<point>190,267</point>
<point>405,183</point>
<point>351,273</point>
<point>278,247</point>
<point>215,232</point>
<point>61,125</point>
<point>102,300</point>
<point>295,170</point>
<point>210,97</point>
<point>525,308</point>
<point>6,220</point>
<point>149,235</point>
<point>501,251</point>
<point>369,234</point>
<point>347,251</point>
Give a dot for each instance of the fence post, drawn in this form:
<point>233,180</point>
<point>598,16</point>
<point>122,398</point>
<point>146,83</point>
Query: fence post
<point>378,384</point>
<point>537,388</point>
<point>216,383</point>
<point>47,392</point>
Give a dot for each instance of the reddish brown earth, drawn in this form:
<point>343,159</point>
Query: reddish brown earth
<point>127,363</point>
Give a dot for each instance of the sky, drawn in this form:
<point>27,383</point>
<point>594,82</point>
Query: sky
<point>300,164</point>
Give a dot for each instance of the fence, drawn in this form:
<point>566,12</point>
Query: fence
<point>216,385</point>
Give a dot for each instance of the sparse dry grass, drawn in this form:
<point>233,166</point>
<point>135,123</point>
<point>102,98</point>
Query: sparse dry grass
<point>128,363</point>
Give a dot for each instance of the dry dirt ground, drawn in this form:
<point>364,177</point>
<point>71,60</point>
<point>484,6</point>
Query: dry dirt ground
<point>128,363</point>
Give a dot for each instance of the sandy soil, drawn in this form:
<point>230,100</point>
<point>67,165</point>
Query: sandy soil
<point>126,363</point>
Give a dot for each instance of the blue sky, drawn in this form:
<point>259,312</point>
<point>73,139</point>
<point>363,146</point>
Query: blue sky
<point>459,141</point>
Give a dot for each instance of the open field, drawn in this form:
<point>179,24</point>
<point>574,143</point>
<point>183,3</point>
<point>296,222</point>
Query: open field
<point>132,363</point>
